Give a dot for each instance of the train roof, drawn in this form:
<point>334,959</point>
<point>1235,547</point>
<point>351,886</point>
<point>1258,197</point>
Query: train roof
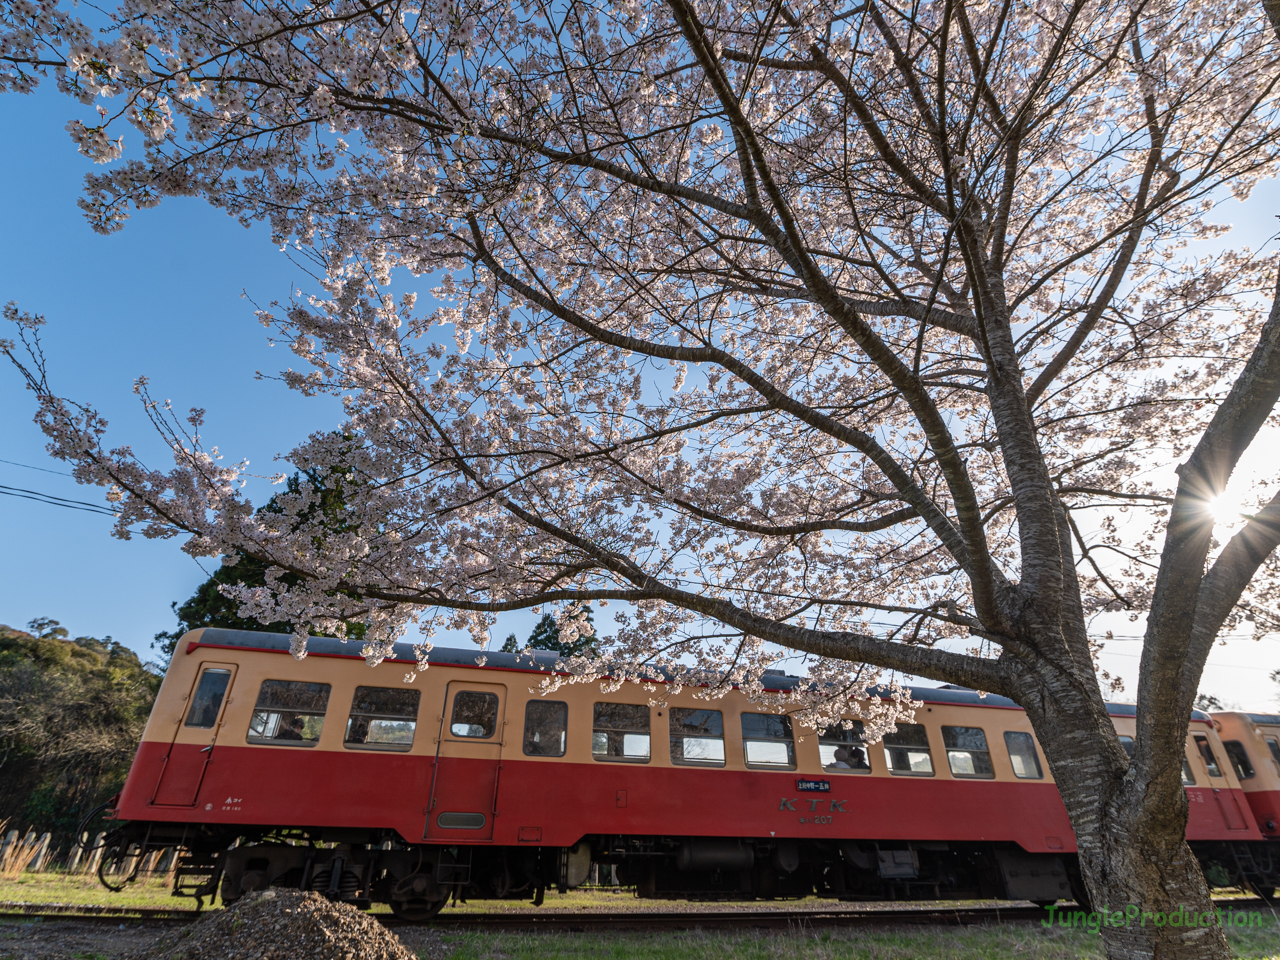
<point>1267,719</point>
<point>543,661</point>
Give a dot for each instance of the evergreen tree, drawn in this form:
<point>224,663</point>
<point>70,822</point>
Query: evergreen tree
<point>209,607</point>
<point>1207,703</point>
<point>546,636</point>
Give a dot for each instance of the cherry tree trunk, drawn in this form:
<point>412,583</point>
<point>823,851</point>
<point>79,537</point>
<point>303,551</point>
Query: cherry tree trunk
<point>1131,835</point>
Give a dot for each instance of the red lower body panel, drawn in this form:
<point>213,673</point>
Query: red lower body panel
<point>286,786</point>
<point>1219,814</point>
<point>1265,805</point>
<point>557,803</point>
<point>634,799</point>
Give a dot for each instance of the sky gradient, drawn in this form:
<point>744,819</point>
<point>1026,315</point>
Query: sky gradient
<point>163,298</point>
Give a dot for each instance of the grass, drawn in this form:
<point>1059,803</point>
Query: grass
<point>54,886</point>
<point>17,857</point>
<point>617,900</point>
<point>1021,941</point>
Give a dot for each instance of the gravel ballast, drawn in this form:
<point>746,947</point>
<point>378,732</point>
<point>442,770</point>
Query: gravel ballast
<point>281,925</point>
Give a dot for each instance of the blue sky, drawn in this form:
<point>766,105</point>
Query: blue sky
<point>163,298</point>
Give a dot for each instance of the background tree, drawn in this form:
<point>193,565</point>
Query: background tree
<point>1204,701</point>
<point>845,330</point>
<point>71,716</point>
<point>546,635</point>
<point>211,606</point>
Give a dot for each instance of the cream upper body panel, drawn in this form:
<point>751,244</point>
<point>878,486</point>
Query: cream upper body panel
<point>1203,765</point>
<point>246,709</point>
<point>982,739</point>
<point>1252,744</point>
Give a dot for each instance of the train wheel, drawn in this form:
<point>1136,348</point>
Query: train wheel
<point>416,911</point>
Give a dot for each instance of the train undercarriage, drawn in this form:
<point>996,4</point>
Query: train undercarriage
<point>364,867</point>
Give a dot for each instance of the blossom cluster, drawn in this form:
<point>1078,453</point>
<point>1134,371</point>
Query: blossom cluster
<point>773,327</point>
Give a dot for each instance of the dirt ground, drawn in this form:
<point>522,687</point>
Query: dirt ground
<point>74,940</point>
<point>77,940</point>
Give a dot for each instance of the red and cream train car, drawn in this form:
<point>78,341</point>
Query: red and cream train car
<point>325,774</point>
<point>1251,744</point>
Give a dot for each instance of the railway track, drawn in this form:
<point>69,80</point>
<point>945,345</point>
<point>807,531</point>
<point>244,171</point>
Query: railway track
<point>18,910</point>
<point>860,916</point>
<point>563,922</point>
<point>552,921</point>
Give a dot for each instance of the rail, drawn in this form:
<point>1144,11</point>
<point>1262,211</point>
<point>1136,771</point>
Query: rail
<point>582,921</point>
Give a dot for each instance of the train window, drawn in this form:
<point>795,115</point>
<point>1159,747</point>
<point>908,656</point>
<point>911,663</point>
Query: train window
<point>289,713</point>
<point>1127,744</point>
<point>842,750</point>
<point>1240,762</point>
<point>474,714</point>
<point>766,741</point>
<point>546,723</point>
<point>1274,746</point>
<point>382,718</point>
<point>697,737</point>
<point>1206,754</point>
<point>208,699</point>
<point>620,731</point>
<point>967,753</point>
<point>907,751</point>
<point>1022,754</point>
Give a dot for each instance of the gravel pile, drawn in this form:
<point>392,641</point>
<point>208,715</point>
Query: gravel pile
<point>281,925</point>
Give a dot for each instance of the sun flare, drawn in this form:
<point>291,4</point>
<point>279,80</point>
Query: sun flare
<point>1227,510</point>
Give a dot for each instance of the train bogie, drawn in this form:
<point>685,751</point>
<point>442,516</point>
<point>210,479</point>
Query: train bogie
<point>416,881</point>
<point>700,868</point>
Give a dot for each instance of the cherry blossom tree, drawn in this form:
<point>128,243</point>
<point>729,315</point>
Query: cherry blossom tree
<point>845,329</point>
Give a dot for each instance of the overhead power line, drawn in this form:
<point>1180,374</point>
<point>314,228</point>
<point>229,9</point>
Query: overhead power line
<point>1208,663</point>
<point>53,501</point>
<point>15,463</point>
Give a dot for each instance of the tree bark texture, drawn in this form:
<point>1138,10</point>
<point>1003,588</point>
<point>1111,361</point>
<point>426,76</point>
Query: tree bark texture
<point>1130,832</point>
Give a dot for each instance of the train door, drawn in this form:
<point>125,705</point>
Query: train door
<point>464,780</point>
<point>191,750</point>
<point>1225,796</point>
